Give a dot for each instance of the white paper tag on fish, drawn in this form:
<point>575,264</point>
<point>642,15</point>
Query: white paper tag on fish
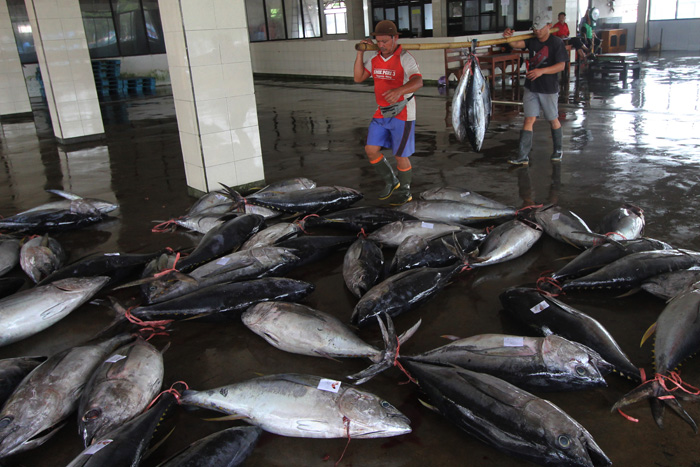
<point>539,307</point>
<point>555,216</point>
<point>427,225</point>
<point>464,193</point>
<point>223,261</point>
<point>329,385</point>
<point>514,341</point>
<point>115,358</point>
<point>96,447</point>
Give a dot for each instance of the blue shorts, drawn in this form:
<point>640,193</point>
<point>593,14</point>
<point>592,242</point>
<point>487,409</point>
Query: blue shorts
<point>393,133</point>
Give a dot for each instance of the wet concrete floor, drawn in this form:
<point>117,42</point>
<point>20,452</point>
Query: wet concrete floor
<point>635,144</point>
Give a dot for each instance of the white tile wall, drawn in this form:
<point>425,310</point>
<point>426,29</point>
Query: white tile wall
<point>212,81</point>
<point>64,60</point>
<point>14,97</point>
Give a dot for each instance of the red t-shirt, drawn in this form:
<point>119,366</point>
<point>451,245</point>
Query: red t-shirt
<point>390,73</point>
<point>563,30</point>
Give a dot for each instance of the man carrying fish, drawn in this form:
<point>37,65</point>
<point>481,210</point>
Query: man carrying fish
<point>396,77</point>
<point>547,58</point>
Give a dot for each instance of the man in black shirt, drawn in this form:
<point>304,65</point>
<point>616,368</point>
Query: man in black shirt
<point>547,58</point>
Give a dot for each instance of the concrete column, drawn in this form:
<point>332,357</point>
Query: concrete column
<point>14,98</point>
<point>64,61</point>
<point>211,76</point>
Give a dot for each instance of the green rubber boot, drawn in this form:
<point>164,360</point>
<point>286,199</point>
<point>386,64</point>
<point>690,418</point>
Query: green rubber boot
<point>524,149</point>
<point>556,140</point>
<point>403,194</point>
<point>391,183</point>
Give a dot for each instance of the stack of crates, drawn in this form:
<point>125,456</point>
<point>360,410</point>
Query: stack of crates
<point>138,85</point>
<point>106,73</point>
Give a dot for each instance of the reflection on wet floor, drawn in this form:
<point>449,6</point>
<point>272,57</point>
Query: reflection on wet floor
<point>637,144</point>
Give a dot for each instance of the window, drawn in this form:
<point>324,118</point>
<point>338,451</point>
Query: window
<point>119,28</point>
<point>410,16</point>
<point>23,31</point>
<point>481,16</point>
<point>283,19</point>
<point>336,16</point>
<point>674,9</point>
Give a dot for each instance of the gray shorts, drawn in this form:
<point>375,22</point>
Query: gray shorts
<point>533,102</point>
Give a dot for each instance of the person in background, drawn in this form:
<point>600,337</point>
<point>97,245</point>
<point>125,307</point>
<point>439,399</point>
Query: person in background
<point>563,32</point>
<point>547,58</point>
<point>396,77</point>
<point>590,40</point>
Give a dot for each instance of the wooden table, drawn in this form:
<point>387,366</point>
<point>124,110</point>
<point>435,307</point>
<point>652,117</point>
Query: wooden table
<point>501,61</point>
<point>621,63</point>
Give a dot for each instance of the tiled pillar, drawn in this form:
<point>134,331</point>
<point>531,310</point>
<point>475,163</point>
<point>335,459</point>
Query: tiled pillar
<point>212,82</point>
<point>14,98</point>
<point>64,61</point>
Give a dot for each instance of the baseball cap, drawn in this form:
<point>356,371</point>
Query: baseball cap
<point>541,20</point>
<point>385,28</point>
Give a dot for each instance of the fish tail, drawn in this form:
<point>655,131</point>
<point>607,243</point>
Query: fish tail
<point>238,199</point>
<point>390,353</point>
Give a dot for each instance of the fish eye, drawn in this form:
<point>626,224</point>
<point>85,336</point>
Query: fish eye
<point>5,421</point>
<point>564,441</point>
<point>92,414</point>
<point>580,370</point>
<point>385,404</point>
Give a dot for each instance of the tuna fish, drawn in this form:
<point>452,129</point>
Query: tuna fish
<point>79,213</point>
<point>601,255</point>
<point>547,315</point>
<point>304,406</point>
<point>230,448</point>
<point>507,241</point>
<point>67,203</point>
<point>677,337</point>
<point>624,223</point>
<point>119,389</point>
<point>49,394</point>
<point>41,256</point>
<point>289,185</point>
<point>312,201</point>
<point>455,211</point>
<point>26,313</point>
<point>363,265</point>
<point>367,218</point>
<point>393,234</point>
<point>459,103</point>
<point>415,251</point>
<point>403,292</point>
<point>669,284</point>
<point>462,195</point>
<point>13,371</point>
<point>508,418</point>
<point>127,444</point>
<point>565,226</point>
<point>9,254</point>
<point>471,105</point>
<point>549,363</point>
<point>273,234</point>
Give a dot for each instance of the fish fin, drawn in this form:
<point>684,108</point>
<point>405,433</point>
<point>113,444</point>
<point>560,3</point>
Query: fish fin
<point>629,293</point>
<point>428,406</point>
<point>225,418</point>
<point>678,409</point>
<point>648,334</point>
<point>388,357</point>
<point>325,355</point>
<point>408,334</point>
<point>160,442</point>
<point>64,194</point>
<point>450,337</point>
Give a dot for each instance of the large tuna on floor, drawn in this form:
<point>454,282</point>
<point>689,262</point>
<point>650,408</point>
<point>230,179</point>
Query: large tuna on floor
<point>230,448</point>
<point>304,406</point>
<point>507,418</point>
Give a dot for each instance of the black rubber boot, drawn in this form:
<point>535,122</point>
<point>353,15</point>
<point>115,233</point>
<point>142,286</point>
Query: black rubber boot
<point>556,140</point>
<point>391,183</point>
<point>403,194</point>
<point>524,149</point>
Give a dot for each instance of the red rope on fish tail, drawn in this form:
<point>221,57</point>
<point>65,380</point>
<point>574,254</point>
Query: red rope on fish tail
<point>400,366</point>
<point>489,229</point>
<point>152,325</point>
<point>346,422</point>
<point>176,394</point>
<point>527,208</point>
<point>553,282</point>
<point>163,227</point>
<point>631,419</point>
<point>302,222</point>
<point>168,271</point>
<point>643,374</point>
<point>610,234</point>
<point>362,233</point>
<point>675,379</point>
